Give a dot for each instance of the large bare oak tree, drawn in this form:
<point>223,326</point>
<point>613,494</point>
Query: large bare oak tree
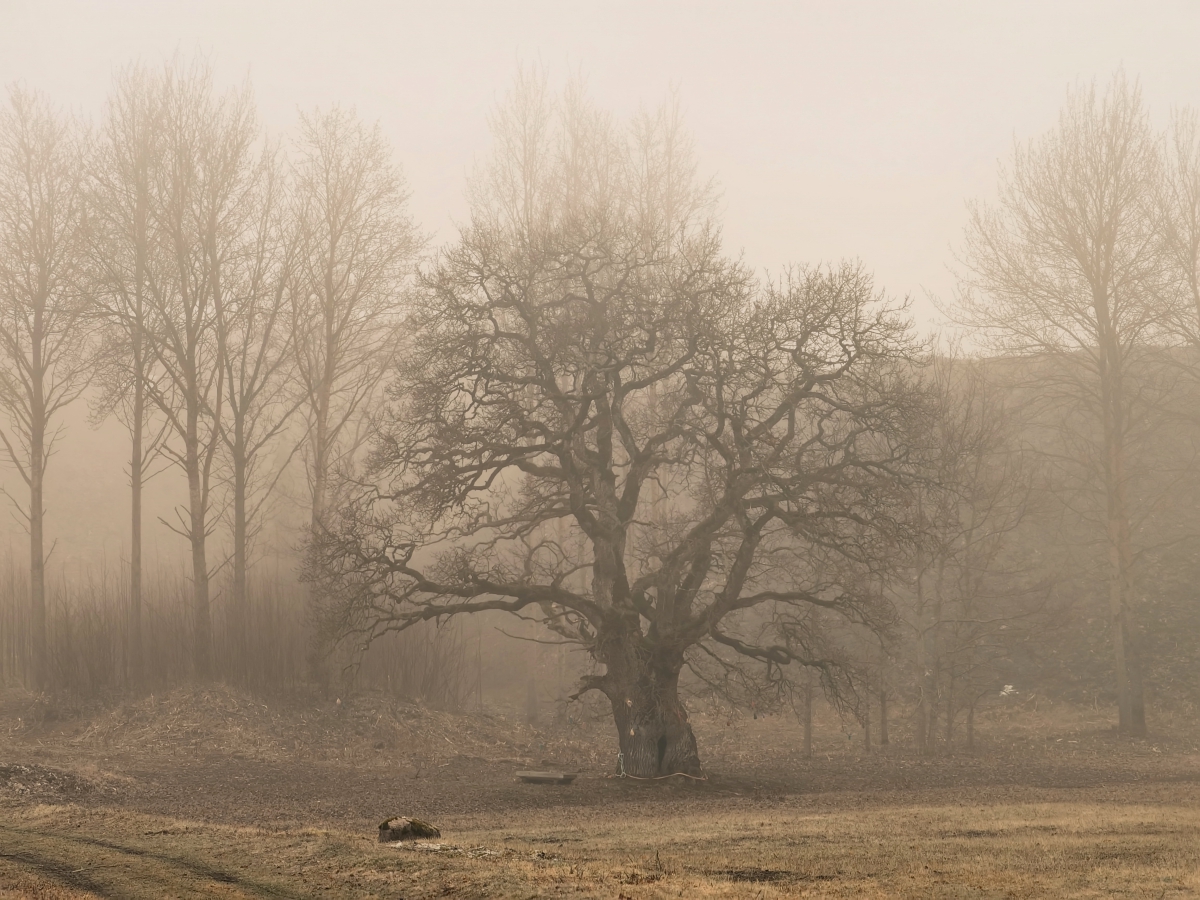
<point>584,368</point>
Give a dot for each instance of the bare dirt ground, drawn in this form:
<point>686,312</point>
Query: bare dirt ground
<point>215,793</point>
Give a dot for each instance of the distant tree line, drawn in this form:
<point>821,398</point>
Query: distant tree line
<point>583,411</point>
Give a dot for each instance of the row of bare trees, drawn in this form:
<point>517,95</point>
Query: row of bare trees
<point>232,302</point>
<point>594,417</point>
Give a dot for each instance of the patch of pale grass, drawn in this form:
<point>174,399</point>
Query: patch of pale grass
<point>1073,847</point>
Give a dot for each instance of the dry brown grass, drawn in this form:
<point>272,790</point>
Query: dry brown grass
<point>1072,847</point>
<point>1052,805</point>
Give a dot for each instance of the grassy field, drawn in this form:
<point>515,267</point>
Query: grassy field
<point>1070,847</point>
<point>215,793</point>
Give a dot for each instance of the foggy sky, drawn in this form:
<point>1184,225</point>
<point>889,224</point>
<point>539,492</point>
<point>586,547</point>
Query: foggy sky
<point>834,129</point>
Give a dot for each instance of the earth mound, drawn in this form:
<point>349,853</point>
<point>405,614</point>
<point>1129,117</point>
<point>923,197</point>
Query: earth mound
<point>36,782</point>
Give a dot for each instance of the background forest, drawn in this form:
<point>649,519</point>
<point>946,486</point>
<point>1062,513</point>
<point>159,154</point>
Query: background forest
<point>226,331</point>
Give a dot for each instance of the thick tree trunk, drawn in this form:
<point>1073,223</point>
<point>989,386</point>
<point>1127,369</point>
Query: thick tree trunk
<point>1125,626</point>
<point>1131,714</point>
<point>1131,705</point>
<point>1116,602</point>
<point>653,731</point>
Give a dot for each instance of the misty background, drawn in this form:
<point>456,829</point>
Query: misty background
<point>855,130</point>
<point>401,402</point>
<point>851,140</point>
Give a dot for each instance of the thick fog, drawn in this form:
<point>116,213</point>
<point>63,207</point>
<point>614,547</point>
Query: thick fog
<point>847,130</point>
<point>423,311</point>
<point>659,448</point>
<point>833,131</point>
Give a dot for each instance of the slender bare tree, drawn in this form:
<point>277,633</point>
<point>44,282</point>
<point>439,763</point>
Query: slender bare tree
<point>253,320</point>
<point>201,203</point>
<point>1065,267</point>
<point>44,309</point>
<point>123,169</point>
<point>356,247</point>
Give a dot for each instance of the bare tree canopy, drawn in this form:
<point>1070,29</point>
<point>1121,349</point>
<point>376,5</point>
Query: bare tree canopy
<point>600,421</point>
<point>355,249</point>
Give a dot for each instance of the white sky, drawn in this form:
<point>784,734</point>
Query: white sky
<point>835,129</point>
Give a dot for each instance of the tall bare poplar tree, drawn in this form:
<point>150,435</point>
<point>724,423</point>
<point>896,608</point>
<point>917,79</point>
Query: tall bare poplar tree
<point>202,194</point>
<point>254,324</point>
<point>124,168</point>
<point>43,309</point>
<point>1064,267</point>
<point>356,248</point>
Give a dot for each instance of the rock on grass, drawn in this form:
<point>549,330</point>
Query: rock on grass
<point>402,828</point>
